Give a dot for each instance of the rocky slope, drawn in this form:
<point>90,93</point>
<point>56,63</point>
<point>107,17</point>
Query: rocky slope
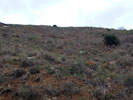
<point>64,63</point>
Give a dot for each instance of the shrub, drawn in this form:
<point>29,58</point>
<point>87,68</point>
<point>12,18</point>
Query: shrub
<point>108,29</point>
<point>63,59</point>
<point>69,88</point>
<point>27,62</point>
<point>66,89</point>
<point>98,93</point>
<point>19,73</point>
<point>49,58</point>
<point>82,98</point>
<point>5,78</point>
<point>50,70</point>
<point>111,40</point>
<point>129,85</point>
<point>50,45</point>
<point>1,66</point>
<point>55,26</point>
<point>125,61</point>
<point>5,91</point>
<point>76,69</point>
<point>51,91</point>
<point>37,79</point>
<point>34,70</point>
<point>129,82</point>
<point>28,93</point>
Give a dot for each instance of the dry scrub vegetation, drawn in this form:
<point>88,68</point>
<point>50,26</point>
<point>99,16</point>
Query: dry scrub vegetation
<point>65,63</point>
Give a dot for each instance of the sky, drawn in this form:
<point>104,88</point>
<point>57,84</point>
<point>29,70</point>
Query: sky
<point>97,13</point>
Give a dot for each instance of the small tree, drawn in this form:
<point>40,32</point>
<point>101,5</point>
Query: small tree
<point>111,40</point>
<point>55,26</point>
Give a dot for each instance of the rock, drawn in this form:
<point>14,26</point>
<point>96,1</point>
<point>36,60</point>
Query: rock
<point>44,73</point>
<point>29,58</point>
<point>5,26</point>
<point>82,52</point>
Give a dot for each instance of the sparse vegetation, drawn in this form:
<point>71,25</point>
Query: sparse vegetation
<point>66,88</point>
<point>66,63</point>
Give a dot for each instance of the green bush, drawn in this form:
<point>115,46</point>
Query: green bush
<point>34,70</point>
<point>5,91</point>
<point>27,63</point>
<point>69,88</point>
<point>55,26</point>
<point>101,95</point>
<point>129,81</point>
<point>28,93</point>
<point>66,88</point>
<point>111,40</point>
<point>51,91</point>
<point>19,73</point>
<point>49,58</point>
<point>1,66</point>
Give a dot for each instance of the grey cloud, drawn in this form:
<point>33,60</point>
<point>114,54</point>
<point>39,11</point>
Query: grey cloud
<point>106,18</point>
<point>13,6</point>
<point>109,17</point>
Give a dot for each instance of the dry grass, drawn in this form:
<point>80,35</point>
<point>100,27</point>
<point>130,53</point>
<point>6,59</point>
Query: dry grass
<point>64,63</point>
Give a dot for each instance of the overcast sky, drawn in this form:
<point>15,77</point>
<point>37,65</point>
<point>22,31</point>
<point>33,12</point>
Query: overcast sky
<point>98,13</point>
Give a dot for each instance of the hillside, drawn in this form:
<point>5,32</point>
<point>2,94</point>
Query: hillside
<point>64,63</point>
